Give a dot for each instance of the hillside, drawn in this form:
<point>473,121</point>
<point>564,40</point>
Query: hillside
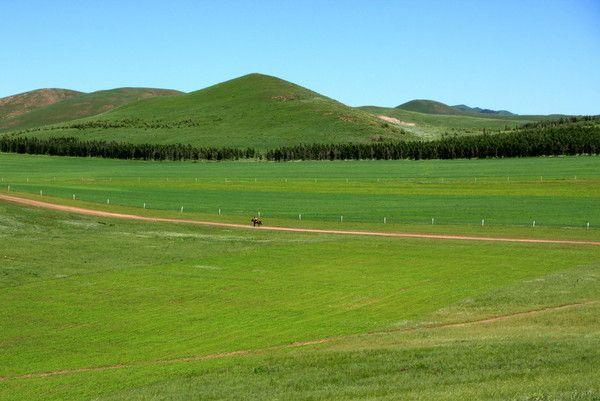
<point>254,110</point>
<point>432,125</point>
<point>22,103</point>
<point>81,105</point>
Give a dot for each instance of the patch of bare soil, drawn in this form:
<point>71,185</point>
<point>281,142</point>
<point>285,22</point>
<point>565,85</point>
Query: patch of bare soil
<point>285,98</point>
<point>395,121</point>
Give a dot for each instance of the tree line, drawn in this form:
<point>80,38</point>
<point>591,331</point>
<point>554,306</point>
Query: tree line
<point>70,146</point>
<point>552,141</point>
<point>557,140</point>
<point>564,120</point>
<point>120,123</point>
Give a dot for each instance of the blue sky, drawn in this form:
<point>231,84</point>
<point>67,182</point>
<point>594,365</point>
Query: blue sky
<point>525,56</point>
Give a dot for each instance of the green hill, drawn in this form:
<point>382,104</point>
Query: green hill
<point>429,107</point>
<point>80,105</point>
<point>254,110</point>
<point>22,103</point>
<point>434,107</point>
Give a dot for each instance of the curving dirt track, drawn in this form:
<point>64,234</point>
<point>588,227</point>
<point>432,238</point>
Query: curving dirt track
<point>100,213</point>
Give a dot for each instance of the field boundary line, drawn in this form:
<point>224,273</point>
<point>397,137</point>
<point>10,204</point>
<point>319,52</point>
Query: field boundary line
<point>297,344</point>
<point>101,213</point>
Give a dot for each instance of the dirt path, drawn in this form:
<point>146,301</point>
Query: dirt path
<point>298,344</point>
<point>100,213</point>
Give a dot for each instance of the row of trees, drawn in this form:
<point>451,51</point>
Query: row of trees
<point>134,123</point>
<point>119,150</point>
<point>121,123</point>
<point>570,139</point>
<point>560,121</point>
<point>567,140</point>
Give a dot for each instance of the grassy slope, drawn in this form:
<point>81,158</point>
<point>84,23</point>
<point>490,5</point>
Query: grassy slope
<point>24,102</point>
<point>83,105</point>
<point>139,292</point>
<point>254,110</point>
<point>504,192</point>
<point>429,125</point>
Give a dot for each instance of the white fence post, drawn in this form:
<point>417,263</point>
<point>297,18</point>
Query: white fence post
<point>385,220</point>
<point>482,222</point>
<point>300,217</point>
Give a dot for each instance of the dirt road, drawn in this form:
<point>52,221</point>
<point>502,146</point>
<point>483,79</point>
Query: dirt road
<point>100,213</point>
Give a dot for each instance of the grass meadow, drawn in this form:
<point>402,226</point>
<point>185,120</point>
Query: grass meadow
<point>83,292</point>
<point>553,192</point>
<point>105,309</point>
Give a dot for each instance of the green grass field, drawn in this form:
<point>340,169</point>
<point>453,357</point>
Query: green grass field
<point>83,292</point>
<point>107,309</point>
<point>555,192</point>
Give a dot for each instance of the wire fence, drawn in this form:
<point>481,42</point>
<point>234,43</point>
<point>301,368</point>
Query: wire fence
<point>292,206</point>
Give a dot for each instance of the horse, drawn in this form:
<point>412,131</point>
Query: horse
<point>256,221</point>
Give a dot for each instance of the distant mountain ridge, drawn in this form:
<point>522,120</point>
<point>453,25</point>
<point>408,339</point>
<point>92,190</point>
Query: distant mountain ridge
<point>434,107</point>
<point>479,110</point>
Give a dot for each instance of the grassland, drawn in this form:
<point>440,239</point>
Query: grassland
<point>555,192</point>
<point>106,309</point>
<point>138,296</point>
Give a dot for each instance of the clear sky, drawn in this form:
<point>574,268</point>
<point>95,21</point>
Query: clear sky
<point>525,56</point>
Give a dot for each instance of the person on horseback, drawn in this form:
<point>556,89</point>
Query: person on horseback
<point>256,222</point>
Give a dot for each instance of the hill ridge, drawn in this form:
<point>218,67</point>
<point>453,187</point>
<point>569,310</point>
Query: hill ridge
<point>24,102</point>
<point>255,110</point>
<point>81,105</point>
